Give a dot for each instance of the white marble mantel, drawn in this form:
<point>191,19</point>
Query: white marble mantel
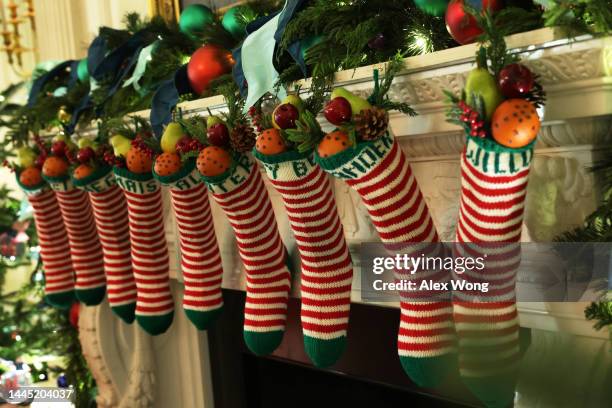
<point>577,130</point>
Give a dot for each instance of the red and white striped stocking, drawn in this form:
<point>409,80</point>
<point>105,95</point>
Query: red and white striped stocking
<point>150,261</point>
<point>243,197</point>
<point>85,248</point>
<point>493,190</point>
<point>54,247</point>
<point>200,257</point>
<point>381,174</point>
<point>327,270</point>
<point>111,217</point>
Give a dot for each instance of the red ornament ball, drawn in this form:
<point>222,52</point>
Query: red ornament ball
<point>515,80</point>
<point>74,315</point>
<point>207,63</point>
<point>463,27</point>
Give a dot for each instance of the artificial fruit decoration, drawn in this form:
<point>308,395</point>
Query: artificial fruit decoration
<point>171,136</point>
<point>284,116</point>
<point>218,134</point>
<point>55,167</point>
<point>481,83</point>
<point>82,171</point>
<point>333,143</point>
<point>515,80</point>
<point>213,161</point>
<point>167,164</point>
<point>26,156</point>
<point>270,142</point>
<point>515,123</point>
<point>357,102</point>
<point>338,111</point>
<point>30,177</point>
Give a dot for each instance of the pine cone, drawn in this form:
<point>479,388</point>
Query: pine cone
<point>242,138</point>
<point>372,123</point>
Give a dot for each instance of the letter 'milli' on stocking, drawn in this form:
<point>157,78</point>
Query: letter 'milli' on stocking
<point>54,249</point>
<point>493,190</point>
<point>244,199</point>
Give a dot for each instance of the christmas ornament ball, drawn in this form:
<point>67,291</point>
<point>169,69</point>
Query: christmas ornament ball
<point>463,27</point>
<point>515,123</point>
<point>82,71</point>
<point>233,22</point>
<point>433,7</point>
<point>194,18</point>
<point>62,380</point>
<point>206,64</point>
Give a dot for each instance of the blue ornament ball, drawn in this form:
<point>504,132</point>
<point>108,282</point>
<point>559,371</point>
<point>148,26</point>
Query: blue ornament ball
<point>62,381</point>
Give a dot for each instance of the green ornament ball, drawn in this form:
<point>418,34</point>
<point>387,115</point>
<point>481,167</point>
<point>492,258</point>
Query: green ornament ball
<point>194,18</point>
<point>82,72</point>
<point>233,23</point>
<point>433,7</point>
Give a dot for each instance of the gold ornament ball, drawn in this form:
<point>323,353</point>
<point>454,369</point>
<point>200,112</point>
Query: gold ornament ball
<point>63,115</point>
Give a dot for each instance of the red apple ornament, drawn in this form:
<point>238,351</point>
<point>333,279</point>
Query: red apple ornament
<point>85,155</point>
<point>285,116</point>
<point>58,148</point>
<point>515,80</point>
<point>218,135</point>
<point>463,27</point>
<point>338,111</point>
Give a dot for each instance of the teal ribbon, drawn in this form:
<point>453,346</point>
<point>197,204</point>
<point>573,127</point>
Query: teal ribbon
<point>257,62</point>
<point>141,66</point>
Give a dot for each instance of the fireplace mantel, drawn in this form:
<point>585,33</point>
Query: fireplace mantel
<point>576,131</point>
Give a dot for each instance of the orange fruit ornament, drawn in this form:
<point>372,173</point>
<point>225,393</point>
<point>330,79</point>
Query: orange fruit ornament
<point>213,161</point>
<point>138,161</point>
<point>82,171</point>
<point>55,167</point>
<point>30,177</point>
<point>333,143</point>
<point>167,164</point>
<point>515,123</point>
<point>270,142</point>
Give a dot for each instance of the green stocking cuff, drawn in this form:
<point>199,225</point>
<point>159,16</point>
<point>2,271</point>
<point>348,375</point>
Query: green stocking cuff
<point>490,157</point>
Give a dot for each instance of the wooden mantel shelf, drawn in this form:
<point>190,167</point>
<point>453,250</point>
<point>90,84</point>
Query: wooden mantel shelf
<point>577,124</point>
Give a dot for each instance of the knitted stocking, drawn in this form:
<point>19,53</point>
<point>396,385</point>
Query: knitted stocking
<point>381,175</point>
<point>327,270</point>
<point>150,262</point>
<point>493,189</point>
<point>111,217</point>
<point>200,257</point>
<point>54,246</point>
<point>85,248</point>
<point>243,197</point>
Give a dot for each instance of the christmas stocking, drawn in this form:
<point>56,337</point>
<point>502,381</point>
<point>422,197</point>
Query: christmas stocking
<point>242,195</point>
<point>110,215</point>
<point>493,189</point>
<point>150,261</point>
<point>85,249</point>
<point>54,246</point>
<point>327,270</point>
<point>200,257</point>
<point>379,172</point>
